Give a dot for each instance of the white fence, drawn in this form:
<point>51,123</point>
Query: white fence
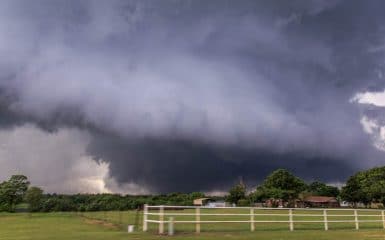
<point>161,212</point>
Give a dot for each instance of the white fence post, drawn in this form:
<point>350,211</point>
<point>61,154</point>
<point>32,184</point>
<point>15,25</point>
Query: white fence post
<point>161,219</point>
<point>145,211</point>
<point>197,220</point>
<point>326,220</point>
<point>171,226</point>
<point>383,218</point>
<point>291,219</point>
<point>252,227</point>
<point>356,219</point>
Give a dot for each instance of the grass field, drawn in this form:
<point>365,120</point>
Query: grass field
<point>112,225</point>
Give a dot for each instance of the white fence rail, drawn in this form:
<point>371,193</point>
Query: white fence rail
<point>161,212</point>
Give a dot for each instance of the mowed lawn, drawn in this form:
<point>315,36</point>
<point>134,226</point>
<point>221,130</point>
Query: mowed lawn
<point>112,226</point>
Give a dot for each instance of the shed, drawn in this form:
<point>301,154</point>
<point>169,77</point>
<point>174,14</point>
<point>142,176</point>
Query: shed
<point>201,201</point>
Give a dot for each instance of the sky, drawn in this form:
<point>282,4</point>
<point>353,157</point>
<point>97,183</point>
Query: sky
<point>146,96</point>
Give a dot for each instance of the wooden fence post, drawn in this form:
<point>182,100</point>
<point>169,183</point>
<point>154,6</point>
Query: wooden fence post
<point>383,218</point>
<point>197,220</point>
<point>356,219</point>
<point>161,219</point>
<point>171,226</point>
<point>145,211</point>
<point>326,220</point>
<point>291,219</point>
<point>252,227</point>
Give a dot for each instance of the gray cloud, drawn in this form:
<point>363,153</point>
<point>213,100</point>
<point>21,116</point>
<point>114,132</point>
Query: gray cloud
<point>209,90</point>
<point>28,150</point>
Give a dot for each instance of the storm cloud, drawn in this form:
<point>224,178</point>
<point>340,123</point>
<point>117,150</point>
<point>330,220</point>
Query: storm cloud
<point>192,95</point>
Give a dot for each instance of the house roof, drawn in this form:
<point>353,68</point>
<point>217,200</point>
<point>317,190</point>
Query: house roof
<point>320,199</point>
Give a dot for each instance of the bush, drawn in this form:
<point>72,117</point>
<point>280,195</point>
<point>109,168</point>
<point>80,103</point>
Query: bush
<point>243,203</point>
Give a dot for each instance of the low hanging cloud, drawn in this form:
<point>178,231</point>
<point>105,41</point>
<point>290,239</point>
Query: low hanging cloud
<point>28,150</point>
<point>191,95</point>
<point>56,161</point>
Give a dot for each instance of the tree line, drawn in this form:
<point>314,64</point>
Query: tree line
<point>282,185</point>
<point>364,187</point>
<point>17,191</point>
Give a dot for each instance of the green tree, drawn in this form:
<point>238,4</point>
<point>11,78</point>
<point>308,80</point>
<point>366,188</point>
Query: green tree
<point>366,187</point>
<point>283,179</point>
<point>33,197</point>
<point>236,193</point>
<point>12,192</point>
<point>280,184</point>
<point>5,197</point>
<point>195,195</point>
<point>352,191</point>
<point>19,184</point>
<point>321,189</point>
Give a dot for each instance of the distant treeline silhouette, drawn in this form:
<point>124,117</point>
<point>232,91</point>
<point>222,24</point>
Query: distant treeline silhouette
<point>364,187</point>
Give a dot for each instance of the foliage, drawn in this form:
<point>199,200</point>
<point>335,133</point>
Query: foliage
<point>280,184</point>
<point>366,186</point>
<point>262,193</point>
<point>33,197</point>
<point>15,190</point>
<point>283,179</point>
<point>243,203</point>
<point>321,189</point>
<point>12,192</point>
<point>109,202</point>
<point>236,193</point>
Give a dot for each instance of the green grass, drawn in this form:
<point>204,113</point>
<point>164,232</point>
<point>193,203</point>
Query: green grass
<point>112,226</point>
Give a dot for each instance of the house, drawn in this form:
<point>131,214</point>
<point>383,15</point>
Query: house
<point>318,201</point>
<point>209,202</point>
<point>201,201</point>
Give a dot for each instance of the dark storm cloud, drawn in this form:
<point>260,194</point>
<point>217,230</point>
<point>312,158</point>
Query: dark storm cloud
<point>204,90</point>
<point>183,165</point>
